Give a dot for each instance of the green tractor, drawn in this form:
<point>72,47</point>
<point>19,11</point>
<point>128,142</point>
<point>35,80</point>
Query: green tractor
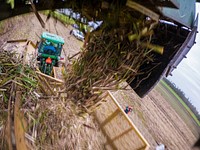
<point>49,51</point>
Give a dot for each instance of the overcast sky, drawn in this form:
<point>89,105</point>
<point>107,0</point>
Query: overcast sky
<point>187,75</point>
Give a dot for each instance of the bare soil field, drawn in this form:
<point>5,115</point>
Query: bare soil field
<point>157,120</point>
<point>153,115</point>
<point>182,112</point>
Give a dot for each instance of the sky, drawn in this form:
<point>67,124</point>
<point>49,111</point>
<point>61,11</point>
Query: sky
<point>187,75</point>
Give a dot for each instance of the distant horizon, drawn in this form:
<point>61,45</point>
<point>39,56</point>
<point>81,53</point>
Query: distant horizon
<point>189,100</point>
<point>187,75</point>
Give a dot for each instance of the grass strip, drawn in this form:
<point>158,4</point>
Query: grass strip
<point>181,101</point>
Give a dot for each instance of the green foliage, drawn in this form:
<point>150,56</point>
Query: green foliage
<point>62,18</point>
<point>12,3</point>
<point>12,74</point>
<point>182,99</point>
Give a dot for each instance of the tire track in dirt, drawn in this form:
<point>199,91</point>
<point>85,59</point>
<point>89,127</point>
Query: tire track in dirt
<point>184,114</point>
<point>157,120</point>
<point>153,107</point>
<point>72,45</point>
<point>168,119</point>
<point>174,124</point>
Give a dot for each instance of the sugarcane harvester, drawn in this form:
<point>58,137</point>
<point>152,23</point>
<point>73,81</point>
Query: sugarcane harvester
<point>175,30</point>
<point>49,52</point>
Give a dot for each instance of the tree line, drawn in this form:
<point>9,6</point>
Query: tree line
<point>182,95</point>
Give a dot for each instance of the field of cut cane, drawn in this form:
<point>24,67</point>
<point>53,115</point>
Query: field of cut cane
<point>153,115</point>
<point>180,107</point>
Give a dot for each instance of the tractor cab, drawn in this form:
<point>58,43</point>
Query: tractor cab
<point>49,51</point>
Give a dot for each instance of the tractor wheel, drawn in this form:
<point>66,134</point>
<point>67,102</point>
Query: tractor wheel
<point>38,58</point>
<point>58,64</point>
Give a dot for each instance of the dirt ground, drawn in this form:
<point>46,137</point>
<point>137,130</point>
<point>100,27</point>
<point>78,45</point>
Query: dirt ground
<point>153,116</point>
<point>28,27</point>
<point>157,120</point>
<point>84,133</point>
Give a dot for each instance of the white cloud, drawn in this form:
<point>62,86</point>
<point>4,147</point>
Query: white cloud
<point>187,74</point>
